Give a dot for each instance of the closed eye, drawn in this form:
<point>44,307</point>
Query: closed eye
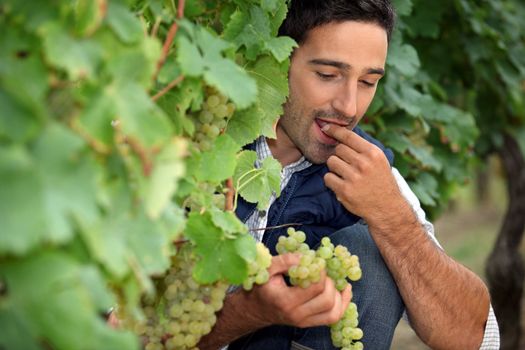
<point>324,76</point>
<point>367,83</point>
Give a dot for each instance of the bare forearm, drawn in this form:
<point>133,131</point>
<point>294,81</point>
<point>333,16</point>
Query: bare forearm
<point>447,304</point>
<point>233,321</point>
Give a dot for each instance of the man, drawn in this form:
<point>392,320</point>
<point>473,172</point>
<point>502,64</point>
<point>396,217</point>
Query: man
<point>335,177</point>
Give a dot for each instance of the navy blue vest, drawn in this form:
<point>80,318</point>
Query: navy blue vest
<point>306,201</point>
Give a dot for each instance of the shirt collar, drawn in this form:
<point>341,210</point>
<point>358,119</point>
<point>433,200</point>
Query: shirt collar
<point>263,151</point>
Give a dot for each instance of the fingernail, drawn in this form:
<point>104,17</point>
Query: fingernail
<point>325,127</point>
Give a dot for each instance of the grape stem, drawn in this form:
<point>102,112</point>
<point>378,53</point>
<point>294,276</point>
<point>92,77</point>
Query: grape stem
<point>142,152</point>
<point>275,227</point>
<point>168,87</point>
<point>230,195</point>
<point>95,144</point>
<point>240,187</point>
<point>169,39</point>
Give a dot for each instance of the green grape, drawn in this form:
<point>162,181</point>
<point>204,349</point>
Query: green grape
<point>221,111</point>
<point>213,101</point>
<point>183,310</point>
<point>340,266</point>
<point>231,109</point>
<point>258,269</point>
<point>213,131</point>
<point>324,252</point>
<point>205,116</point>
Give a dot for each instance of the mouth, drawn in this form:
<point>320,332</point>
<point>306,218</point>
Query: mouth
<point>321,122</point>
<point>324,121</point>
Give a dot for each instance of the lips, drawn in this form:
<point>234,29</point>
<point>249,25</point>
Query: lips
<point>326,139</point>
<point>322,122</point>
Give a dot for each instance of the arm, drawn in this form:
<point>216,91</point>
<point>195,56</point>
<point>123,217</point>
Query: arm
<point>276,303</point>
<point>446,303</point>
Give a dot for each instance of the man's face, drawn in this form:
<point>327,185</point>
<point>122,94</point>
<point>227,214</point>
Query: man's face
<point>333,78</point>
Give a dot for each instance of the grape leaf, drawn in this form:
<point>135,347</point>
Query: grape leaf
<point>127,239</point>
<point>425,157</point>
<point>96,118</point>
<point>17,121</point>
<point>44,187</point>
<point>256,185</point>
<point>16,333</point>
<point>135,63</point>
<point>238,20</point>
<point>218,164</point>
<point>139,116</point>
<point>227,221</point>
<point>281,47</point>
<point>89,15</point>
<point>403,7</point>
<point>277,18</point>
<point>270,5</point>
<point>124,23</point>
<point>23,217</point>
<point>403,57</point>
<point>218,256</point>
<point>189,57</point>
<point>245,126</point>
<point>227,77</point>
<point>272,83</point>
<point>47,313</point>
<point>162,184</point>
<point>425,188</point>
<point>80,60</point>
<point>205,55</point>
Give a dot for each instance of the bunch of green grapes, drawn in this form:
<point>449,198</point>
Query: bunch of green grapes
<point>212,119</point>
<point>345,334</point>
<point>183,311</point>
<point>340,266</point>
<point>258,269</point>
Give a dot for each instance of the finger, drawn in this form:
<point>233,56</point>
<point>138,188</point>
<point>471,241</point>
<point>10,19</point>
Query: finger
<point>347,137</point>
<point>327,317</point>
<point>339,167</point>
<point>335,183</point>
<point>347,153</point>
<point>281,263</point>
<point>346,296</point>
<point>323,302</point>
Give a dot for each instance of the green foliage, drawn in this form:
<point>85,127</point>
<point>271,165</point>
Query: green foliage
<point>101,171</point>
<point>455,83</point>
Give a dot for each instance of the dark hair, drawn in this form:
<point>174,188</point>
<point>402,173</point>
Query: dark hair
<point>304,15</point>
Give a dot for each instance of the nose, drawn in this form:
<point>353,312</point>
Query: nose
<point>345,101</point>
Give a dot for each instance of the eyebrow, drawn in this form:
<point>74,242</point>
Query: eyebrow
<point>343,66</point>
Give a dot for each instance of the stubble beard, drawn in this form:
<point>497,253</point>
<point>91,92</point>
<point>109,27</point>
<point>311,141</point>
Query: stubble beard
<point>314,151</point>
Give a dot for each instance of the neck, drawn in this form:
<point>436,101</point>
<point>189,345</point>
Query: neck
<point>283,149</point>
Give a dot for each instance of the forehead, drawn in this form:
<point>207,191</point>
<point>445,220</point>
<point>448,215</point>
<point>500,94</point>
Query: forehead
<point>351,42</point>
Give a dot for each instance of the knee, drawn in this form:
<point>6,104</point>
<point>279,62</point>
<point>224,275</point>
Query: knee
<point>357,239</point>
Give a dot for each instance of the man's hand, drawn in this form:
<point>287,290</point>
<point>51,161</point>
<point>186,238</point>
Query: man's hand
<point>277,303</point>
<point>361,177</point>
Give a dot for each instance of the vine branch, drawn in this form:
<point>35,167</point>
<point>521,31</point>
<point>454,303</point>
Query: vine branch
<point>169,39</point>
<point>168,87</point>
<point>230,194</point>
<point>275,227</point>
<point>92,142</point>
<point>142,153</point>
